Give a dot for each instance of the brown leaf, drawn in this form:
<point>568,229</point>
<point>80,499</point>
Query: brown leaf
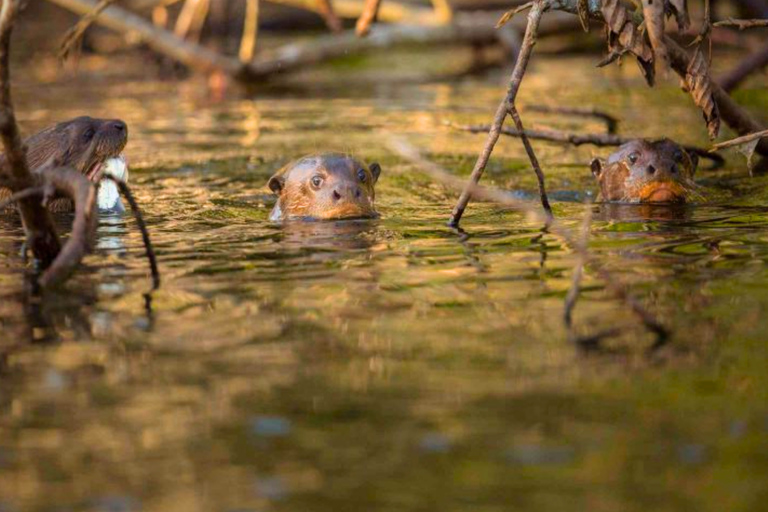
<point>624,37</point>
<point>679,9</point>
<point>699,85</point>
<point>653,12</point>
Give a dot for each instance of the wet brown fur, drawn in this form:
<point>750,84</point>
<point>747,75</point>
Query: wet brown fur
<point>645,171</point>
<point>346,188</point>
<point>82,143</point>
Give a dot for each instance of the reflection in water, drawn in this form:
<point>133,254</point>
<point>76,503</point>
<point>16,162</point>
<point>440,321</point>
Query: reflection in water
<point>391,364</point>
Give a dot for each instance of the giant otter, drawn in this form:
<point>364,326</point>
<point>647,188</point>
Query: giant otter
<point>645,171</point>
<point>91,146</point>
<point>325,186</point>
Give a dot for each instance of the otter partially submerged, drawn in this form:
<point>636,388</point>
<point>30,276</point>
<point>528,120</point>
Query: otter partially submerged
<point>91,146</point>
<point>644,171</point>
<point>325,186</point>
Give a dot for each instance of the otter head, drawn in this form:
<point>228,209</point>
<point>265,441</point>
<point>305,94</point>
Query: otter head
<point>84,143</point>
<point>327,186</point>
<point>643,171</point>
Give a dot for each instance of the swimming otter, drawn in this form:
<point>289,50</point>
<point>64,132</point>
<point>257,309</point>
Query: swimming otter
<point>325,186</point>
<point>645,171</point>
<point>89,145</point>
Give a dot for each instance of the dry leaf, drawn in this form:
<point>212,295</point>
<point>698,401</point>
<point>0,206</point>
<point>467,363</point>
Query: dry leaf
<point>653,12</point>
<point>699,84</point>
<point>679,9</point>
<point>624,37</point>
<point>748,150</point>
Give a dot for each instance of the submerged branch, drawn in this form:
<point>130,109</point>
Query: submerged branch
<point>530,208</point>
<point>150,251</point>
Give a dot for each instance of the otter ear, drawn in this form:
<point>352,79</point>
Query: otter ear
<point>375,171</point>
<point>597,166</point>
<point>694,160</point>
<point>276,184</point>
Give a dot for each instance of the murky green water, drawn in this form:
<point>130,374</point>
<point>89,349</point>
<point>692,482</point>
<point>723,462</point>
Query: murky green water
<point>390,364</point>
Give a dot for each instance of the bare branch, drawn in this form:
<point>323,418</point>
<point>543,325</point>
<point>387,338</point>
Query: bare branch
<point>529,40</point>
<point>741,24</point>
<point>71,42</point>
<point>534,161</point>
<point>38,225</point>
<point>577,139</point>
<point>740,140</point>
<point>69,182</point>
<point>751,63</point>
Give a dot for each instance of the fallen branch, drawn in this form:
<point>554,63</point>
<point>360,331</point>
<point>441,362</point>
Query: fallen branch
<point>530,208</point>
<point>37,222</point>
<point>250,31</point>
<point>534,161</point>
<point>741,24</point>
<point>534,18</point>
<point>71,183</point>
<point>751,63</point>
<point>731,112</point>
<point>150,251</point>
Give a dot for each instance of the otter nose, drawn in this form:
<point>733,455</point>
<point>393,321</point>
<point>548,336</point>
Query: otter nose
<point>119,126</point>
<point>336,195</point>
<point>651,170</point>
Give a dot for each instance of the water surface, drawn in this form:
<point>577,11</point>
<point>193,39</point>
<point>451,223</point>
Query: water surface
<point>392,364</point>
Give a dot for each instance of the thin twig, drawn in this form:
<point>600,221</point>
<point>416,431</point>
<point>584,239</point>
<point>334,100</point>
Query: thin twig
<point>739,140</point>
<point>741,24</point>
<point>332,21</point>
<point>612,283</point>
<point>577,139</point>
<point>368,16</point>
<point>513,113</point>
<point>507,16</point>
<point>611,122</point>
<point>529,40</point>
<point>250,30</point>
<point>126,192</point>
<point>18,196</point>
<point>70,45</point>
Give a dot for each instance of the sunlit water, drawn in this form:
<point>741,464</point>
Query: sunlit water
<point>391,364</point>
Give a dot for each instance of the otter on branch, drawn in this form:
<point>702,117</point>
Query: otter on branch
<point>643,171</point>
<point>326,186</point>
<point>91,146</point>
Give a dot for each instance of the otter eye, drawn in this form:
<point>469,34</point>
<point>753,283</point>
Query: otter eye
<point>89,133</point>
<point>633,157</point>
<point>361,175</point>
<point>317,181</point>
<point>678,155</point>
